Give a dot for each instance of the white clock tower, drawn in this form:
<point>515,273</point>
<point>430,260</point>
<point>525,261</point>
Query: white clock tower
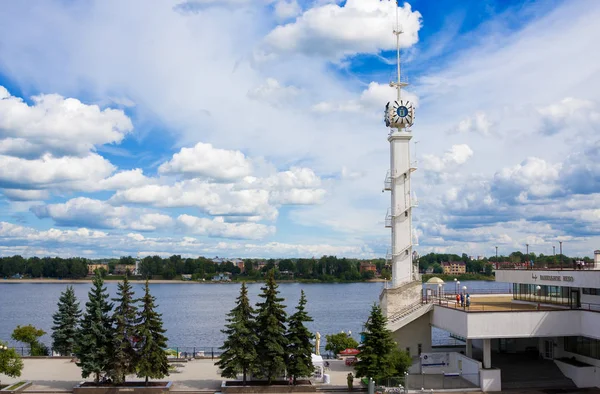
<point>406,285</point>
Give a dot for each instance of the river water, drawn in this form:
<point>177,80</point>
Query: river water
<point>194,314</point>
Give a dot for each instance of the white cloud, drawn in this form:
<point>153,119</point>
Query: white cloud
<point>298,196</point>
<point>203,160</point>
<point>569,112</point>
<point>82,211</point>
<point>373,99</point>
<point>25,195</point>
<point>218,227</point>
<point>124,180</point>
<point>58,125</point>
<point>286,9</point>
<point>53,172</point>
<point>333,31</point>
<point>478,123</point>
<point>534,177</point>
<point>456,155</point>
<point>214,199</point>
<point>274,93</point>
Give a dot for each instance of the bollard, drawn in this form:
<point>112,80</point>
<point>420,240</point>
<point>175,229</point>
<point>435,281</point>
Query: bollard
<point>371,386</point>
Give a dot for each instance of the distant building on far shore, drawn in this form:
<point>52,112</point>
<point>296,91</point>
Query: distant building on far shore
<point>93,267</point>
<point>365,266</point>
<point>454,267</point>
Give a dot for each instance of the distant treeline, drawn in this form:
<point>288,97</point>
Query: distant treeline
<point>327,268</point>
<point>434,260</point>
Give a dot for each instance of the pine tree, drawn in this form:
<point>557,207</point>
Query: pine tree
<point>375,359</point>
<point>299,361</point>
<point>270,328</point>
<point>239,349</point>
<point>125,318</point>
<point>66,319</point>
<point>94,347</point>
<point>152,358</point>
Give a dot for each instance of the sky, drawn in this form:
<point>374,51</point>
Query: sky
<point>254,128</point>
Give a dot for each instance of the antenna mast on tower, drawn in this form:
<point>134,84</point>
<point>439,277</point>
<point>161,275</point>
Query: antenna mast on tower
<point>397,32</point>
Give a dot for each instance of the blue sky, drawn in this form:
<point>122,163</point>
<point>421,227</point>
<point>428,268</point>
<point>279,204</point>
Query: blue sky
<point>253,128</point>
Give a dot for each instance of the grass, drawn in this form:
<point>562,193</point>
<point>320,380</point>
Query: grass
<point>16,385</point>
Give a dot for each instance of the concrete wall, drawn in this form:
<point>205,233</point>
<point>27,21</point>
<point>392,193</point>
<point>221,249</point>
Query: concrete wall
<point>395,300</point>
<point>581,376</point>
<point>521,324</point>
<point>490,380</point>
<point>414,333</point>
<point>451,320</point>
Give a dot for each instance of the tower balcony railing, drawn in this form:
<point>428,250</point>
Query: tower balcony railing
<point>387,183</point>
<point>388,218</point>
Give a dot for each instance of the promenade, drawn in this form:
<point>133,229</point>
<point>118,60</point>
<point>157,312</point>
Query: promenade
<point>60,375</point>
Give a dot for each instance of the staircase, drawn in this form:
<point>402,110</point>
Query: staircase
<point>522,372</point>
<point>407,315</point>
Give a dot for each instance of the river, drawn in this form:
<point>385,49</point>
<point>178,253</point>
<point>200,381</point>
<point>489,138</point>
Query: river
<point>195,314</point>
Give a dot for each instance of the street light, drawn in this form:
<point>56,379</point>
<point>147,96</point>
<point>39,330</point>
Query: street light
<point>440,292</point>
<point>464,296</point>
<point>455,286</point>
<point>538,289</point>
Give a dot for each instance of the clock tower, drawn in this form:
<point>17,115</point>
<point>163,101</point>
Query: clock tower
<point>405,287</point>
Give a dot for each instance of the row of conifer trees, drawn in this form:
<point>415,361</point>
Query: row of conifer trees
<point>114,339</point>
<point>265,343</point>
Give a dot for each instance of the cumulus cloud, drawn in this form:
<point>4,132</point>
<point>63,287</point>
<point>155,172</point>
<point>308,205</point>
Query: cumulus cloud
<point>478,123</point>
<point>82,211</point>
<point>274,93</point>
<point>285,9</point>
<point>218,227</point>
<point>334,32</point>
<point>569,111</point>
<point>533,178</point>
<point>456,155</point>
<point>53,172</point>
<point>58,125</point>
<point>203,160</point>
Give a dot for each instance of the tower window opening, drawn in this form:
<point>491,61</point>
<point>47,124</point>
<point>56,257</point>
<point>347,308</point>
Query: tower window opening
<point>406,214</point>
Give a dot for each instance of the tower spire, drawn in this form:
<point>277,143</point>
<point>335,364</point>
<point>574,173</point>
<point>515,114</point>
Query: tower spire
<point>397,32</point>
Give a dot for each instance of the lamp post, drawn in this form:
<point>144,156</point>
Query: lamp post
<point>464,296</point>
<point>561,259</point>
<point>538,289</point>
<point>440,293</point>
<point>455,286</point>
<point>2,348</point>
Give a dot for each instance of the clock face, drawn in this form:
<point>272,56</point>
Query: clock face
<point>402,111</point>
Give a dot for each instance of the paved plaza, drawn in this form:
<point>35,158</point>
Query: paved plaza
<point>60,374</point>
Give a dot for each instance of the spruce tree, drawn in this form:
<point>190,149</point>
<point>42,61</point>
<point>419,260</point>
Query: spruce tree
<point>239,349</point>
<point>125,318</point>
<point>66,319</point>
<point>376,359</point>
<point>94,347</point>
<point>152,358</point>
<point>270,328</point>
<point>299,360</point>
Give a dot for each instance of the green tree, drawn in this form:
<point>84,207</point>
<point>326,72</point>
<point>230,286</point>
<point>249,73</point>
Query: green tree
<point>375,358</point>
<point>401,361</point>
<point>29,334</point>
<point>125,318</point>
<point>338,342</point>
<point>10,361</point>
<point>239,349</point>
<point>488,269</point>
<point>299,359</point>
<point>66,319</point>
<point>270,328</point>
<point>153,361</point>
<point>94,347</point>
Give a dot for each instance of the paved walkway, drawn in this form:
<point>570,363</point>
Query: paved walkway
<point>54,374</point>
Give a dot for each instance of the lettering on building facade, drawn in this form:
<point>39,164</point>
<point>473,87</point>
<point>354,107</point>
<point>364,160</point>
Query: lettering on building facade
<point>556,278</point>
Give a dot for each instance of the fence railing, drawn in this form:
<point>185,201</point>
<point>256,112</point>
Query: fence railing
<point>211,352</point>
<point>545,267</point>
<point>426,381</point>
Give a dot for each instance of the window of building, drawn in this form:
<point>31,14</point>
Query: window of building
<point>591,291</point>
<point>583,346</point>
<point>420,348</point>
